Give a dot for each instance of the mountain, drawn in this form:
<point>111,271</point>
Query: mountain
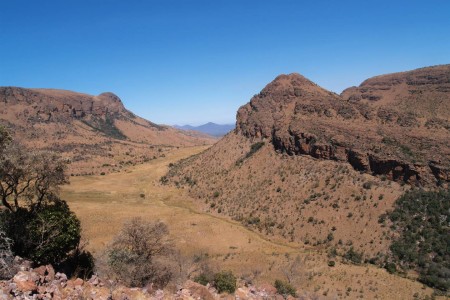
<point>97,133</point>
<point>210,128</point>
<point>319,168</point>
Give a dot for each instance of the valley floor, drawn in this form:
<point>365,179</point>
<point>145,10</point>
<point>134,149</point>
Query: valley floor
<point>103,203</point>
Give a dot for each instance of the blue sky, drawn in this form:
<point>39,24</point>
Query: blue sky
<point>192,61</point>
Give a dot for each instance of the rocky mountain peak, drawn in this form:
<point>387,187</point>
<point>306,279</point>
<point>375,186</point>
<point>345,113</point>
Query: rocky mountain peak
<point>384,127</point>
<point>110,98</point>
<point>293,85</point>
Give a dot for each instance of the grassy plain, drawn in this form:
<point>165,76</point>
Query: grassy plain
<point>103,203</point>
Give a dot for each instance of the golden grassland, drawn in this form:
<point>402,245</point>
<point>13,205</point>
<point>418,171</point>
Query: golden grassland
<point>103,203</point>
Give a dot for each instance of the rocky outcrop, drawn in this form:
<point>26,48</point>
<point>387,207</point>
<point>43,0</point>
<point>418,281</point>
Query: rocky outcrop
<point>44,283</point>
<point>377,128</point>
<point>423,92</point>
<point>57,105</point>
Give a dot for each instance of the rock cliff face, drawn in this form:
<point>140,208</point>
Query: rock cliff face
<point>393,125</point>
<point>57,103</point>
<point>91,130</point>
<point>47,105</point>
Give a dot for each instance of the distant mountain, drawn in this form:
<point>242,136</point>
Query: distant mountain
<point>210,128</point>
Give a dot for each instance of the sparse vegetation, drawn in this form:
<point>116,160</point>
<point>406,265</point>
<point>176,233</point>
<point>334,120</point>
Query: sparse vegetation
<point>353,256</point>
<point>253,149</point>
<point>284,288</point>
<point>106,126</point>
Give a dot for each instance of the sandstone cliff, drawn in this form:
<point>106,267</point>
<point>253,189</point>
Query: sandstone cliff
<point>394,125</point>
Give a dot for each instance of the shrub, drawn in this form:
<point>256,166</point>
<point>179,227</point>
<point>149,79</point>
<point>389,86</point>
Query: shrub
<point>284,288</point>
<point>164,180</point>
<point>45,235</point>
<point>353,256</point>
<point>331,263</point>
<point>253,149</point>
<point>225,281</point>
<point>138,254</point>
<point>390,267</point>
<point>80,264</point>
<point>203,279</point>
<point>367,185</point>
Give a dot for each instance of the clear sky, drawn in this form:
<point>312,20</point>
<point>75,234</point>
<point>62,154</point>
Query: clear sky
<point>192,61</point>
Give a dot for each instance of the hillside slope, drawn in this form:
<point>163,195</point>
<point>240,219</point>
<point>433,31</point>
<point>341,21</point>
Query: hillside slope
<point>96,132</point>
<point>319,168</point>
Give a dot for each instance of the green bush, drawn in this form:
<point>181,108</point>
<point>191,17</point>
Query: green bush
<point>423,244</point>
<point>225,282</point>
<point>46,235</point>
<point>284,288</point>
<point>253,149</point>
<point>203,279</point>
<point>391,267</point>
<point>353,256</point>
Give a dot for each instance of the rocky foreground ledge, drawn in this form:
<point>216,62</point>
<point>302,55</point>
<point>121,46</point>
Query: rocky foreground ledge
<point>44,283</point>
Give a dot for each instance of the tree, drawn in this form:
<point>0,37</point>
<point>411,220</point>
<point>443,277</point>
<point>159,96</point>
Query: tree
<point>139,254</point>
<point>29,179</point>
<point>40,224</point>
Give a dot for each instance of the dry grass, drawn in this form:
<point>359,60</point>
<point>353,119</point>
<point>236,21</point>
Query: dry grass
<point>103,203</point>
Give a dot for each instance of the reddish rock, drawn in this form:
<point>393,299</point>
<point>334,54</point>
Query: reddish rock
<point>26,281</point>
<point>78,282</point>
<point>369,127</point>
<point>40,270</point>
<point>197,291</point>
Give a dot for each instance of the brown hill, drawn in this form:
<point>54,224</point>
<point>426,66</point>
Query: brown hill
<point>96,132</point>
<point>319,168</point>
